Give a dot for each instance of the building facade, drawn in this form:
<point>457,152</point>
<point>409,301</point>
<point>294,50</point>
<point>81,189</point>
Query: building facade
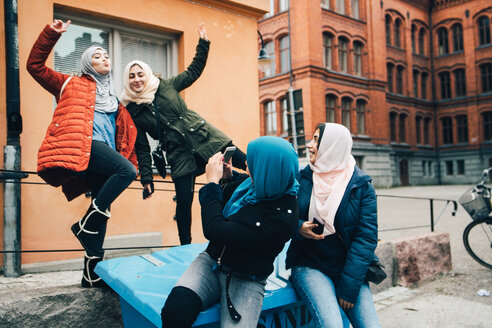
<point>412,80</point>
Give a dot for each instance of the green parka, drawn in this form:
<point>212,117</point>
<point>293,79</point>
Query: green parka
<point>184,133</point>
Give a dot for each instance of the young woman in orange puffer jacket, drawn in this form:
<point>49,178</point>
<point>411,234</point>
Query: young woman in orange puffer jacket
<point>89,145</point>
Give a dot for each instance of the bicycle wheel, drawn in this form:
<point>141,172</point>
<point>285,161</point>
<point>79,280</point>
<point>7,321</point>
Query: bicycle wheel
<point>478,241</point>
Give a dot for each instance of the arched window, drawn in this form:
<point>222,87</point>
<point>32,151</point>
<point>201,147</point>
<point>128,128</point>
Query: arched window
<point>416,83</point>
<point>442,40</point>
<point>346,104</point>
<point>457,30</point>
<point>285,117</point>
<point>270,48</point>
<point>486,77</point>
<point>402,128</point>
<point>487,126</point>
<point>328,50</point>
<point>462,128</point>
<point>447,130</point>
<point>445,79</point>
<point>361,116</point>
<point>399,79</point>
<point>284,54</point>
<point>342,54</point>
<point>270,117</point>
<point>484,30</point>
<point>341,6</point>
<point>358,58</point>
<point>422,41</point>
<point>389,70</point>
<point>414,36</point>
<point>460,82</point>
<point>388,29</point>
<point>418,129</point>
<point>423,86</point>
<point>397,28</point>
<point>355,9</point>
<point>330,103</point>
<point>393,126</point>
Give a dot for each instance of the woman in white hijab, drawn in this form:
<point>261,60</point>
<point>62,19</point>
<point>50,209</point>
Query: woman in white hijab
<point>337,234</point>
<point>89,145</point>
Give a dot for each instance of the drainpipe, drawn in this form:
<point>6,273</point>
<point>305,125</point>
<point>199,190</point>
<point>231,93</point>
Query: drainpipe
<point>433,91</point>
<point>291,89</point>
<point>12,151</point>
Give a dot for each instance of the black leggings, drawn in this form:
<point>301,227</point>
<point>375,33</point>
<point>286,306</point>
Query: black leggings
<point>185,188</point>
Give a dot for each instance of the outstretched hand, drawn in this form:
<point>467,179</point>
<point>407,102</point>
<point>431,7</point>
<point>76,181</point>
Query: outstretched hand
<point>215,168</point>
<point>306,231</point>
<point>59,26</point>
<point>202,31</point>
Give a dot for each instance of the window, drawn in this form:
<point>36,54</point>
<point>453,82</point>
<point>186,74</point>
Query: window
<point>423,86</point>
<point>285,115</point>
<point>402,128</point>
<point>413,36</point>
<point>393,127</point>
<point>330,103</point>
<point>361,116</point>
<point>124,45</point>
<point>486,73</point>
<point>342,54</point>
<point>484,30</point>
<point>415,83</point>
<point>460,167</point>
<point>283,5</point>
<point>462,128</point>
<point>270,48</point>
<point>445,85</point>
<point>358,58</point>
<point>346,102</point>
<point>487,126</point>
<point>426,131</point>
<point>272,9</point>
<point>457,37</point>
<point>442,40</point>
<point>358,161</point>
<point>397,28</point>
<point>270,118</point>
<point>424,168</point>
<point>325,4</point>
<point>341,6</point>
<point>328,50</point>
<point>399,79</point>
<point>449,167</point>
<point>284,54</point>
<point>389,70</point>
<point>460,82</point>
<point>429,168</point>
<point>388,29</point>
<point>355,9</point>
<point>422,42</point>
<point>447,130</point>
<point>418,123</point>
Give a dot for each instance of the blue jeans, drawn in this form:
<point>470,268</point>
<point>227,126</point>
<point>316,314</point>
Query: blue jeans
<point>204,278</point>
<point>318,292</point>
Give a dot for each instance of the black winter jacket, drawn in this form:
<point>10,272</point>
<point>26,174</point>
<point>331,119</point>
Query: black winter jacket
<point>248,241</point>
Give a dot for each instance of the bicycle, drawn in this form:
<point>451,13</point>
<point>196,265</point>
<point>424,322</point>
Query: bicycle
<point>477,236</point>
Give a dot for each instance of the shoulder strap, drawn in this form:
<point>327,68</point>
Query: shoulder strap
<point>64,85</point>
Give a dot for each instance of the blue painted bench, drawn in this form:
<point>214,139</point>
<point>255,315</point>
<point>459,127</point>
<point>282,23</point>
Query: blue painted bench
<point>143,283</point>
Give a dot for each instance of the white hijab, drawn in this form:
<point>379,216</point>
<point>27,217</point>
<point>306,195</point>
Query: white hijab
<point>146,96</point>
<point>332,172</point>
<point>106,101</point>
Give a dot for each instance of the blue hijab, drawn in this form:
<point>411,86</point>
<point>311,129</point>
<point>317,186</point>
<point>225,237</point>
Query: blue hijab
<point>273,165</point>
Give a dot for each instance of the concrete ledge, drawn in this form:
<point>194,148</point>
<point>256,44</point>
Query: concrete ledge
<point>385,254</point>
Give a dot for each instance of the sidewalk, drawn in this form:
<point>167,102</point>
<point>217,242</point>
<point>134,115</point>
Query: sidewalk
<point>446,301</point>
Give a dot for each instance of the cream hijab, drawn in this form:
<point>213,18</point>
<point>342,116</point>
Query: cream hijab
<point>332,172</point>
<point>146,96</point>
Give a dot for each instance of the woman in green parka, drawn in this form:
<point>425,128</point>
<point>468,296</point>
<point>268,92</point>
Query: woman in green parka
<point>187,138</point>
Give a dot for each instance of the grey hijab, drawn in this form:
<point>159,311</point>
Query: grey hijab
<point>106,101</point>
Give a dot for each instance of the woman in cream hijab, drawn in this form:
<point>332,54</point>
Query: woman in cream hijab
<point>337,233</point>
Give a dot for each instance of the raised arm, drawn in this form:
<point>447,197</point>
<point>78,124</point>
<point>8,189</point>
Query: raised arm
<point>36,63</point>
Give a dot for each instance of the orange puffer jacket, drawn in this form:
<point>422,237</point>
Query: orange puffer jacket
<point>66,148</point>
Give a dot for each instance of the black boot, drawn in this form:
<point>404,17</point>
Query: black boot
<point>89,277</point>
<point>90,230</point>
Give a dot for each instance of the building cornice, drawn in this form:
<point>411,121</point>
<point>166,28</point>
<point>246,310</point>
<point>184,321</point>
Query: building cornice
<point>246,8</point>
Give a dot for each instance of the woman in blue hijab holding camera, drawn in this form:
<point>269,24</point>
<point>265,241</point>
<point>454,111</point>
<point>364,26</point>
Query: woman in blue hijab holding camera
<point>247,221</point>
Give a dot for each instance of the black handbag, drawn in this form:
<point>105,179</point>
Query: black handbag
<point>375,272</point>
<point>158,157</point>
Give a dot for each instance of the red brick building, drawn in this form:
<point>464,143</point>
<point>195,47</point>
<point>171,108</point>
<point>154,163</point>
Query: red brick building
<point>412,80</point>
